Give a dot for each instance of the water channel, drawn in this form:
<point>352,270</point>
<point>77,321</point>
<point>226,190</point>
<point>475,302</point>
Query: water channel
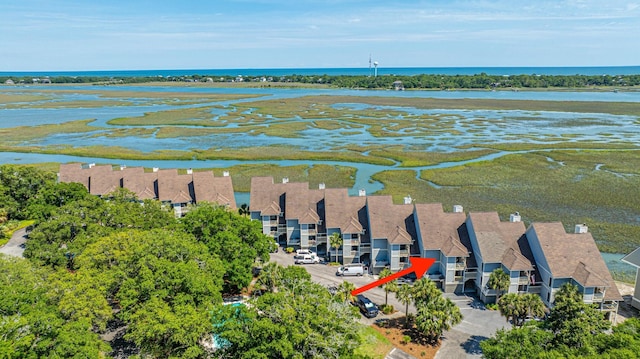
<point>464,127</point>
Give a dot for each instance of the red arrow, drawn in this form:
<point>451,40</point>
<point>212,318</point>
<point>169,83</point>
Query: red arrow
<point>418,265</point>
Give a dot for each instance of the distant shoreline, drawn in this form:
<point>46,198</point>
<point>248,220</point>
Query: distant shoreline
<point>345,71</point>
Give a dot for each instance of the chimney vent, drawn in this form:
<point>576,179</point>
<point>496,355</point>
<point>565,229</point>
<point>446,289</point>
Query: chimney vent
<point>189,171</point>
<point>321,185</point>
<point>408,199</point>
<point>285,179</point>
<point>515,217</point>
<point>362,192</point>
<point>582,228</point>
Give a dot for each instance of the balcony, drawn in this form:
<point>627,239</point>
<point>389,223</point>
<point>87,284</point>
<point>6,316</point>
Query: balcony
<point>489,292</point>
<point>460,265</point>
<point>403,253</point>
<point>598,297</point>
<point>609,307</point>
<point>380,263</point>
<point>312,242</point>
<point>523,280</point>
<point>534,289</point>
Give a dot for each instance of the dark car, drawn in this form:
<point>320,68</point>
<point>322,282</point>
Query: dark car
<point>407,279</point>
<point>367,307</point>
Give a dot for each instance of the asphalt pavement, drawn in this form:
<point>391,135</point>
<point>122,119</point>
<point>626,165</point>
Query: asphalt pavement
<point>462,341</point>
<point>15,246</point>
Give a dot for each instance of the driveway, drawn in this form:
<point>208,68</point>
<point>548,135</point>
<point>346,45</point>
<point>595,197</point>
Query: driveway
<point>462,341</point>
<point>15,246</point>
<point>326,276</point>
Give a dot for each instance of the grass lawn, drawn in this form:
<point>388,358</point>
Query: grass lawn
<point>374,343</point>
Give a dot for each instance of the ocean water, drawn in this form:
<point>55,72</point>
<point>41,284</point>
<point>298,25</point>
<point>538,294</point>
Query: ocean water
<point>364,71</point>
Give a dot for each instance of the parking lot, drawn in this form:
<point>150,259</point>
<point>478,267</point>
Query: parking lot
<point>462,341</point>
<point>326,275</point>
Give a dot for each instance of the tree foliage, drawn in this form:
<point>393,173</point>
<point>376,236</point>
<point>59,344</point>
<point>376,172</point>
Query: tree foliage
<point>335,241</point>
<point>18,184</point>
<point>164,283</point>
<point>499,281</point>
<point>573,329</point>
<point>435,312</point>
<point>390,286</point>
<point>32,324</point>
<point>300,320</point>
<point>518,307</point>
<point>235,239</point>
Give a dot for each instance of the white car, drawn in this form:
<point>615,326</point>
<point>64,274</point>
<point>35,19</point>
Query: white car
<point>302,252</point>
<point>306,259</point>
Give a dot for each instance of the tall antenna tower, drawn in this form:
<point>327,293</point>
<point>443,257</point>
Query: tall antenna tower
<point>369,65</point>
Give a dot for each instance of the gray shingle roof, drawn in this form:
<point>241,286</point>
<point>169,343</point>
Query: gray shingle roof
<point>391,221</point>
<point>575,255</point>
<point>501,242</point>
<point>633,258</point>
<point>439,230</point>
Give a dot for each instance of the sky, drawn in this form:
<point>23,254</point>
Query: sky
<point>81,35</point>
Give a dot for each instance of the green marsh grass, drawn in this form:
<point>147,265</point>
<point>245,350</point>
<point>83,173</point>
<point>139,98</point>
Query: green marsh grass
<point>540,190</point>
<point>29,133</point>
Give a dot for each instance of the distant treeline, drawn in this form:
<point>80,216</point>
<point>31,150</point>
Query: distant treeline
<point>425,81</point>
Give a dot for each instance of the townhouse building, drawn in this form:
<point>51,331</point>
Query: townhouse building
<point>633,258</point>
<point>346,215</point>
<point>289,212</point>
<point>392,232</point>
<point>571,258</point>
<point>496,244</point>
<point>381,234</point>
<point>174,190</point>
<point>439,237</point>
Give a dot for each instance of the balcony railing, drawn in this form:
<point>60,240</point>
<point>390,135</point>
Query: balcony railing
<point>487,292</point>
<point>534,289</point>
<point>460,266</point>
<point>403,253</point>
<point>598,297</point>
<point>609,307</point>
<point>523,280</point>
<point>380,263</point>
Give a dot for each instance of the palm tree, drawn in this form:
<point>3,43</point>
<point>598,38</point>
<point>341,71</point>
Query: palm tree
<point>500,281</point>
<point>519,307</point>
<point>438,315</point>
<point>270,276</point>
<point>391,286</point>
<point>243,210</point>
<point>404,294</point>
<point>335,241</point>
<point>425,291</point>
<point>533,306</point>
<point>509,306</point>
<point>344,290</point>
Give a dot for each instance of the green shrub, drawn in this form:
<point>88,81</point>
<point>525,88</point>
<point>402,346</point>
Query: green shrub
<point>406,339</point>
<point>387,308</point>
<point>289,250</point>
